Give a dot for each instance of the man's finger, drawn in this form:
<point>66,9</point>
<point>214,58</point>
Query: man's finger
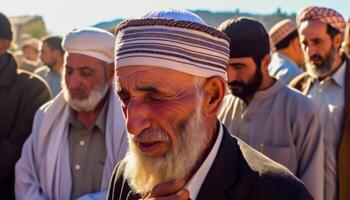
<point>168,188</point>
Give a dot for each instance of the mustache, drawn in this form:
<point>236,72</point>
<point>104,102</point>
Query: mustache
<point>150,136</point>
<point>236,84</point>
<point>316,57</point>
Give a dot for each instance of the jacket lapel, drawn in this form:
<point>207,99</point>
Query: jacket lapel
<point>222,174</point>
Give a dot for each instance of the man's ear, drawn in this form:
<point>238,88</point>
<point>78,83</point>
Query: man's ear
<point>110,68</point>
<point>214,92</point>
<point>265,61</point>
<point>337,40</point>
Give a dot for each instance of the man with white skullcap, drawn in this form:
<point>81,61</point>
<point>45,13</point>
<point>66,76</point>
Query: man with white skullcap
<point>171,80</point>
<point>327,84</point>
<point>79,136</point>
<point>287,57</point>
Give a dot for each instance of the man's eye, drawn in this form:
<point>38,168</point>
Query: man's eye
<point>124,98</point>
<point>86,72</point>
<point>155,98</point>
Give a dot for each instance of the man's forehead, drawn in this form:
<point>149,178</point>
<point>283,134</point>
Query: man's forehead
<point>151,76</point>
<point>312,26</point>
<point>149,72</point>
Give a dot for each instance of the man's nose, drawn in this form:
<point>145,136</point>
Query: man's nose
<point>138,117</point>
<point>231,74</point>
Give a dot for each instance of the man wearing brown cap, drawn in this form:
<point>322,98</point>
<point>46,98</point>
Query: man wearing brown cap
<point>327,84</point>
<point>287,57</point>
<point>262,111</point>
<point>21,94</point>
<point>79,136</point>
<point>170,77</point>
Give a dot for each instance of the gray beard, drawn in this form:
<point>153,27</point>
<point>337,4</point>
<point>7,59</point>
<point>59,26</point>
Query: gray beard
<point>88,104</point>
<point>325,69</point>
<point>143,173</point>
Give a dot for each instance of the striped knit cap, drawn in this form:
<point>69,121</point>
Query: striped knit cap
<point>172,39</point>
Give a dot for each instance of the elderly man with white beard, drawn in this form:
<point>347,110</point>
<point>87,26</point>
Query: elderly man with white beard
<point>170,74</point>
<point>79,136</point>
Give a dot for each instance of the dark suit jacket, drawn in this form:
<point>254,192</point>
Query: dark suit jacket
<point>238,172</point>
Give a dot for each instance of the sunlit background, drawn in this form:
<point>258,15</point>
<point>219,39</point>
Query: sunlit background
<point>61,16</point>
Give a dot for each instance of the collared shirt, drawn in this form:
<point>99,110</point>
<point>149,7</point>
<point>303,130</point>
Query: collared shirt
<point>282,124</point>
<point>87,151</point>
<point>282,68</point>
<point>195,183</point>
<point>328,96</point>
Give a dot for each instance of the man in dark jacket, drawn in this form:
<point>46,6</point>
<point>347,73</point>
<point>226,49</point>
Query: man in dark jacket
<point>21,94</point>
<point>171,81</point>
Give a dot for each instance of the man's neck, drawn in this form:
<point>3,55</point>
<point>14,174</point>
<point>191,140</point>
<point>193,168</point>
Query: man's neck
<point>338,61</point>
<point>57,67</point>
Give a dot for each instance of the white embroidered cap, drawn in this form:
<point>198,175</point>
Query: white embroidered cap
<point>90,41</point>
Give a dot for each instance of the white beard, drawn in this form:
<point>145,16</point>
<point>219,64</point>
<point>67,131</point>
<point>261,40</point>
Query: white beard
<point>95,96</point>
<point>145,172</point>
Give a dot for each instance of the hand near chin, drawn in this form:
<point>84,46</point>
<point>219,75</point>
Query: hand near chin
<point>172,190</point>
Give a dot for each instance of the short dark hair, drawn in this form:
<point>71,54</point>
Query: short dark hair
<point>332,32</point>
<point>287,40</point>
<point>54,43</point>
<point>257,59</point>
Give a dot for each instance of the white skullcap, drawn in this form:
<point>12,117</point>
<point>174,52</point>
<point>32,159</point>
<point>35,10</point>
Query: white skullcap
<point>90,41</point>
<point>173,39</point>
<point>178,14</point>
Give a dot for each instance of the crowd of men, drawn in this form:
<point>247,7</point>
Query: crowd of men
<point>169,107</point>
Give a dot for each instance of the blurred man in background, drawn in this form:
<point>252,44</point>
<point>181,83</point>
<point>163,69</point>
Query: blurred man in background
<point>287,56</point>
<point>21,94</point>
<point>52,55</point>
<point>30,60</point>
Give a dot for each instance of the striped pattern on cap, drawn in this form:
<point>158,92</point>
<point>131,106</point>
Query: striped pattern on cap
<point>183,46</point>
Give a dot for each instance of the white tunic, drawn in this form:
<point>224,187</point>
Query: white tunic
<point>328,96</point>
<point>282,124</point>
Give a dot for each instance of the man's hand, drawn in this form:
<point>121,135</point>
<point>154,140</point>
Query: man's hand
<point>172,190</point>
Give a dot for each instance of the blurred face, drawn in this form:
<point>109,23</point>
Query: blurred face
<point>30,53</point>
<point>244,77</point>
<point>86,81</point>
<point>46,55</point>
<point>318,47</point>
<point>167,131</point>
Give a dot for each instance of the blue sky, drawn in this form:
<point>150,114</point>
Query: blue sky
<point>62,16</point>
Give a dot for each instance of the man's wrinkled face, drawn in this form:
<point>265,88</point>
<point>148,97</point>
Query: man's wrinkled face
<point>85,82</point>
<point>167,132</point>
<point>244,77</point>
<point>318,48</point>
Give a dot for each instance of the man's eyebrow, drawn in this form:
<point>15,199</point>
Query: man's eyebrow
<point>148,89</point>
<point>236,64</point>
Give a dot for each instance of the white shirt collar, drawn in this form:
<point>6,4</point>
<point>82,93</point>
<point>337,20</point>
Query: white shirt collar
<point>339,75</point>
<point>195,183</point>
